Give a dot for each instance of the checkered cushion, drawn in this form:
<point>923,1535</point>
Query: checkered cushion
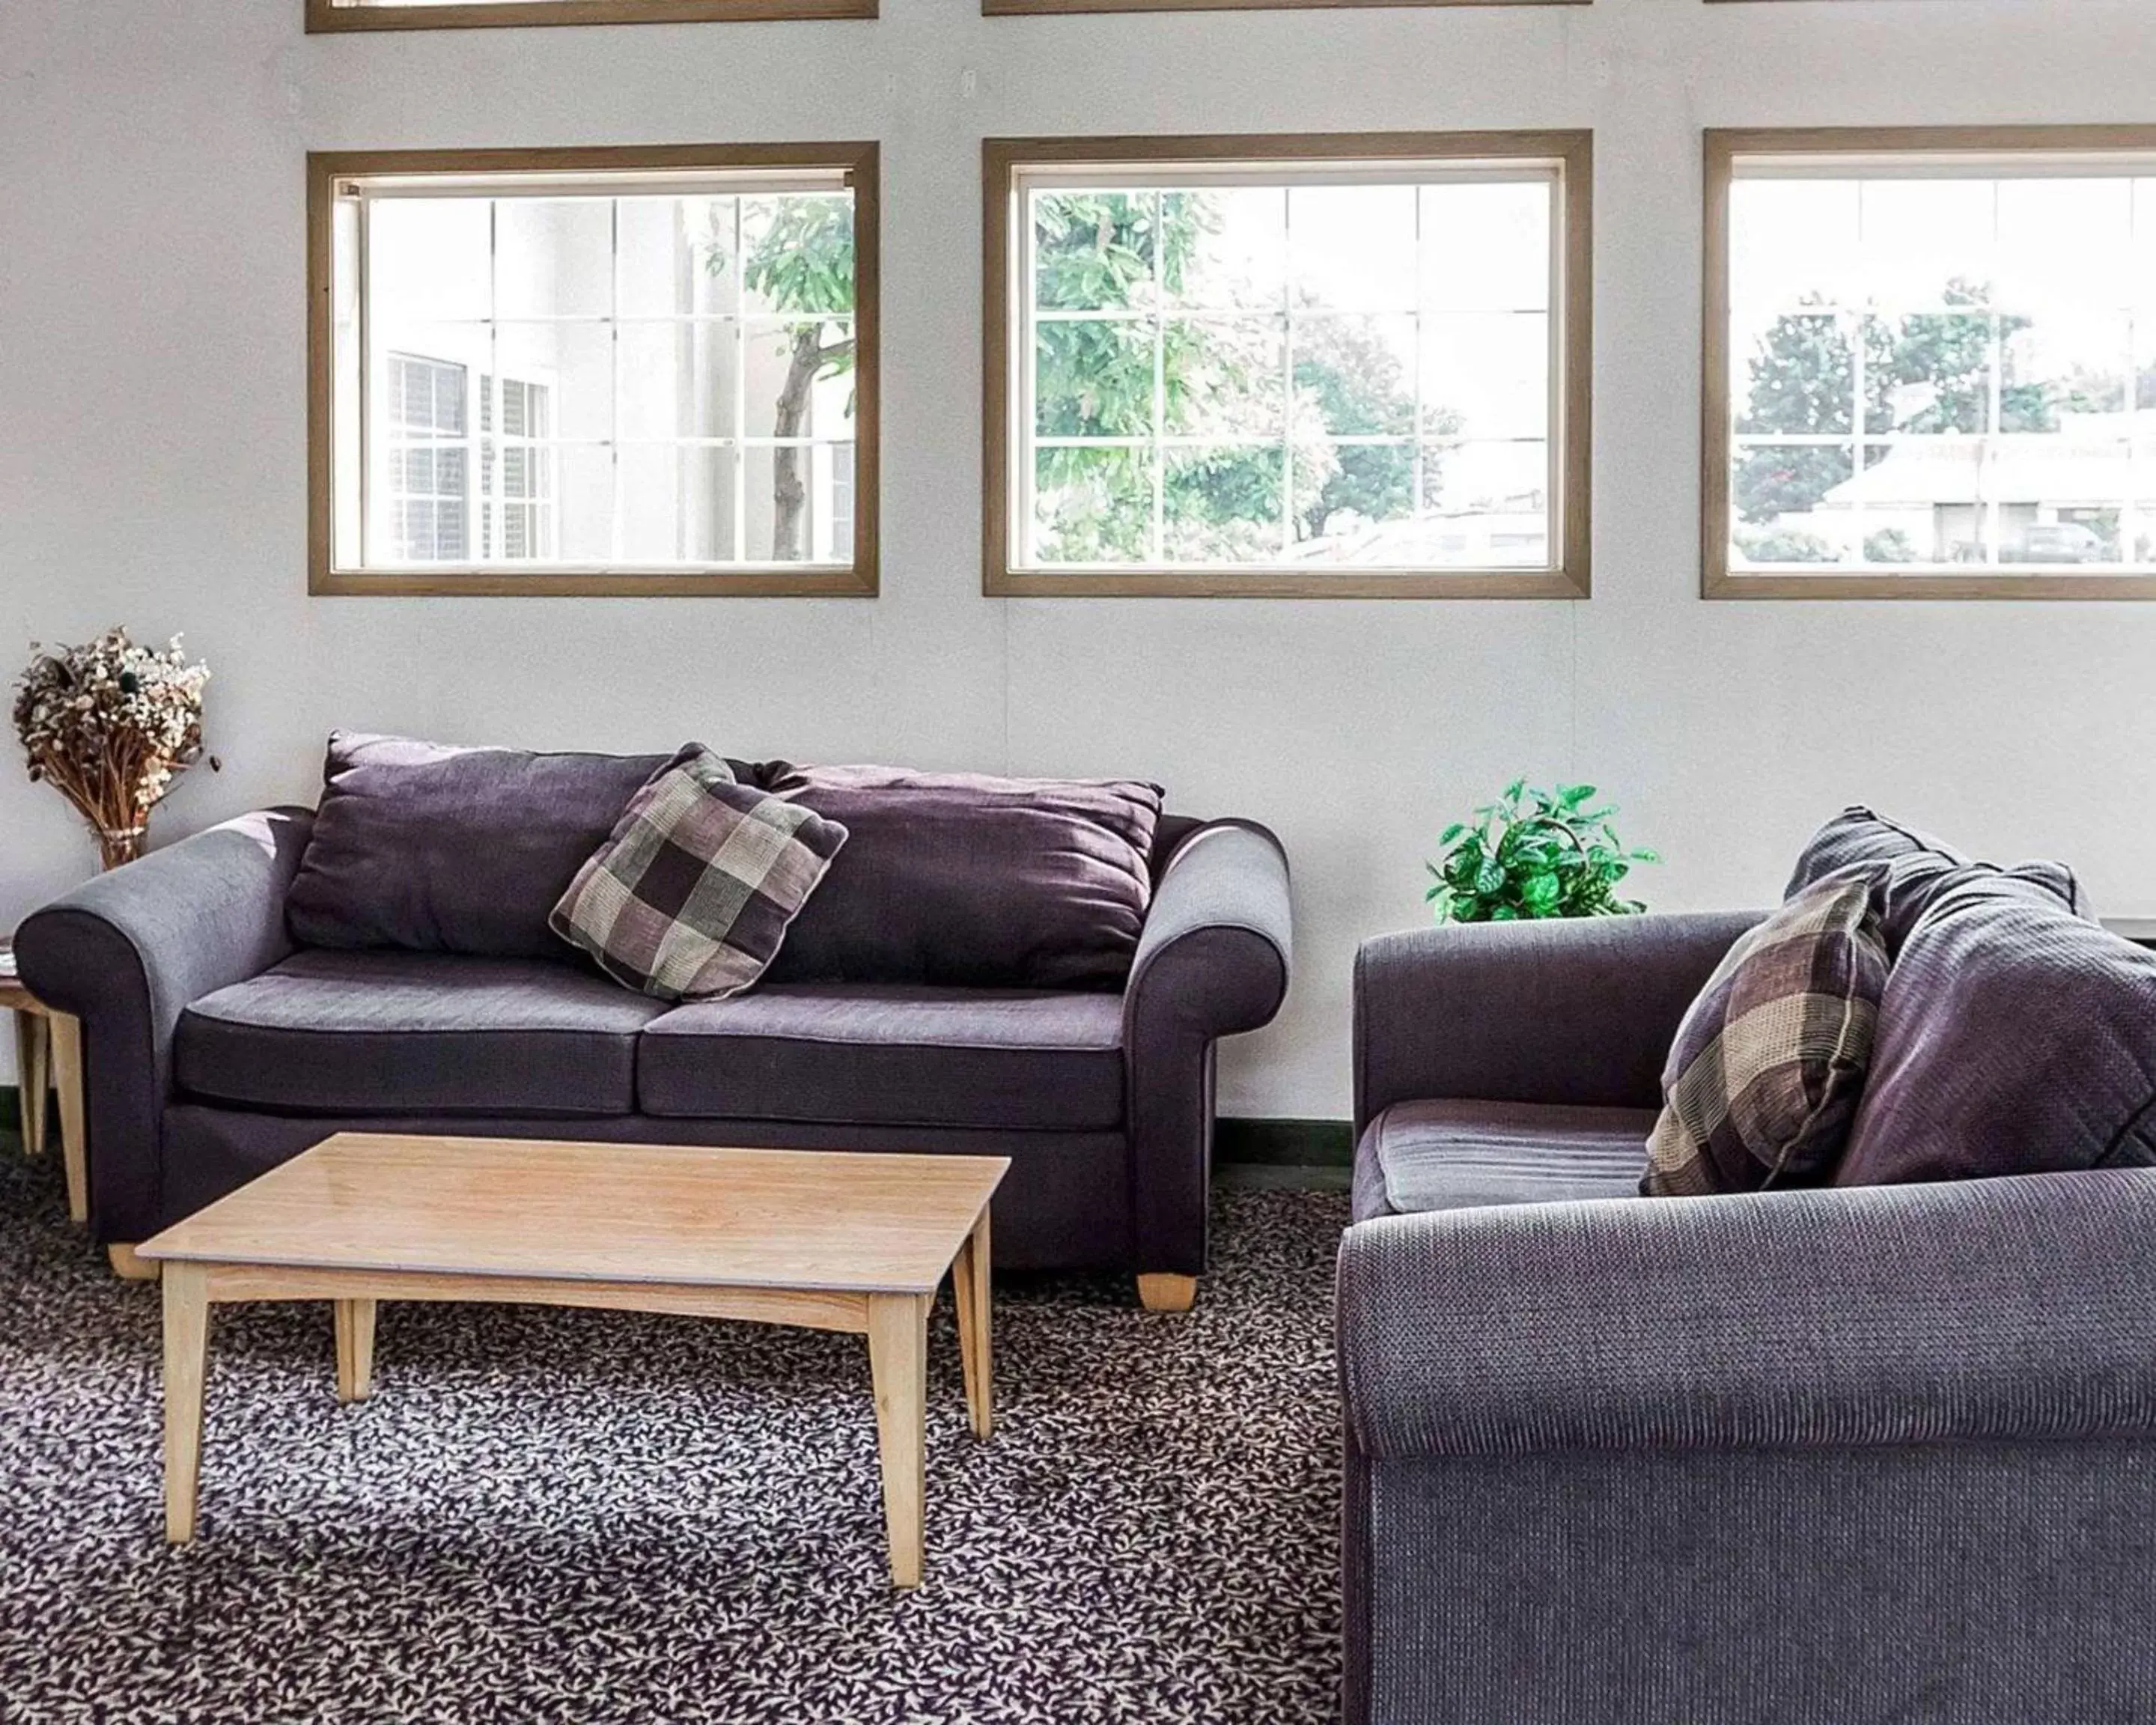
<point>1763,1080</point>
<point>689,897</point>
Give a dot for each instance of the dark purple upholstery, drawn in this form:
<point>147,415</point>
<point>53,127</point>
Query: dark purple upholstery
<point>126,954</point>
<point>1458,1155</point>
<point>1103,1099</point>
<point>2014,1037</point>
<point>890,1053</point>
<point>428,848</point>
<point>1065,1204</point>
<point>1580,1012</point>
<point>1829,1455</point>
<point>967,882</point>
<point>1859,834</point>
<point>1213,961</point>
<point>1910,869</point>
<point>327,1032</point>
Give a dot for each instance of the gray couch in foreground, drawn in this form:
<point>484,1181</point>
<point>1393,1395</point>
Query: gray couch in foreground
<point>1826,1457</point>
<point>218,1046</point>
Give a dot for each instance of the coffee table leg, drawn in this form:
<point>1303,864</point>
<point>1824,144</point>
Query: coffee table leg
<point>186,1357</point>
<point>898,1361</point>
<point>355,1349</point>
<point>970,1286</point>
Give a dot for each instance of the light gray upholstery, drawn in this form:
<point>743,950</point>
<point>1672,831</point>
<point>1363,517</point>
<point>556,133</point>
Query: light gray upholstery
<point>1442,1156</point>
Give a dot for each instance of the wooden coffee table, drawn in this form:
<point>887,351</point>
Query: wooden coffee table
<point>827,1239</point>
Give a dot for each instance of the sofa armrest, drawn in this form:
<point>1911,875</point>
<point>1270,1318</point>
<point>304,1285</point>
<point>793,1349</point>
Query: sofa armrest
<point>2019,1308</point>
<point>126,954</point>
<point>1579,1010</point>
<point>1212,961</point>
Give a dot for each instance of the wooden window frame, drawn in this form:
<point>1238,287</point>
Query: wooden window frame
<point>860,161</point>
<point>1571,432</point>
<point>1032,8</point>
<point>1722,149</point>
<point>324,18</point>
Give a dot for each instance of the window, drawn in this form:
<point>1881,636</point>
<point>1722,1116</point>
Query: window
<point>459,14</point>
<point>1327,367</point>
<point>1018,8</point>
<point>598,371</point>
<point>1930,364</point>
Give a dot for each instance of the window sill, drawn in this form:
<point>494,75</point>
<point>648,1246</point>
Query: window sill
<point>1289,584</point>
<point>2011,585</point>
<point>493,583</point>
<point>1022,9</point>
<point>324,18</point>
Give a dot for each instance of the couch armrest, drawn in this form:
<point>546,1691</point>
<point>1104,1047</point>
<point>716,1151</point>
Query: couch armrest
<point>1580,1010</point>
<point>2019,1308</point>
<point>126,954</point>
<point>1212,961</point>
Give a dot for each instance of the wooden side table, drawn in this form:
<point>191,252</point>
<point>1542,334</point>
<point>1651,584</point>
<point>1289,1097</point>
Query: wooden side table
<point>47,1058</point>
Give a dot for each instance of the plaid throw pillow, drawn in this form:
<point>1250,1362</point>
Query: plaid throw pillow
<point>1763,1078</point>
<point>689,897</point>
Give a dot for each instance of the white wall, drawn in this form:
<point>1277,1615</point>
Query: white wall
<point>150,184</point>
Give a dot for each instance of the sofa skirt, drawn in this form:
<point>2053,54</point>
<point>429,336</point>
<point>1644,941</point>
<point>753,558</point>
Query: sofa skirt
<point>1065,1204</point>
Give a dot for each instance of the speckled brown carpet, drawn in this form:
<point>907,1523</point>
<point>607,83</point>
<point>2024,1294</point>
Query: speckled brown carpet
<point>593,1518</point>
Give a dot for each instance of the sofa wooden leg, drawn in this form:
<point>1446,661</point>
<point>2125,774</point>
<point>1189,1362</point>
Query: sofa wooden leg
<point>128,1267</point>
<point>1166,1293</point>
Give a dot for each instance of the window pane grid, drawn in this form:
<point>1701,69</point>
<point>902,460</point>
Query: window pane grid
<point>541,405</point>
<point>1066,476</point>
<point>1976,422</point>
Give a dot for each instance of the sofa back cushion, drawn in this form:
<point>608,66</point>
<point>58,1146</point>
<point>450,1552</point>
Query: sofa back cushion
<point>1908,868</point>
<point>2014,1037</point>
<point>431,847</point>
<point>1764,1078</point>
<point>1859,836</point>
<point>963,880</point>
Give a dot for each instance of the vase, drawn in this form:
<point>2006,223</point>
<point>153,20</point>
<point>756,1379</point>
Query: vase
<point>116,845</point>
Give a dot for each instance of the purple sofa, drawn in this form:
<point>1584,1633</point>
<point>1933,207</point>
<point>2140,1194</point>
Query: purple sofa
<point>231,1021</point>
<point>1884,1449</point>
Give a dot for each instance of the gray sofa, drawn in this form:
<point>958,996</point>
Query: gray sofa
<point>1850,1455</point>
<point>216,1046</point>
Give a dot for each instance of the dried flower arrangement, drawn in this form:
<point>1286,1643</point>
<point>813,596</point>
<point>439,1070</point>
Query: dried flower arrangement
<point>110,725</point>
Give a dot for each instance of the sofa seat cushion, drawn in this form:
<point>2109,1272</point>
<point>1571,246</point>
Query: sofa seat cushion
<point>890,1055</point>
<point>378,1033</point>
<point>1462,1155</point>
